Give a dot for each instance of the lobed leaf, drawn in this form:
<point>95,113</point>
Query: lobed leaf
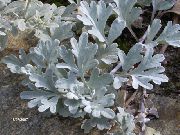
<point>126,11</point>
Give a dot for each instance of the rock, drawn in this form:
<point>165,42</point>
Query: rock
<point>169,113</point>
<point>151,131</point>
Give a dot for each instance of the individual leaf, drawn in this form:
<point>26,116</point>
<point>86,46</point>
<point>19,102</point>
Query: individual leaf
<point>47,51</point>
<point>116,30</point>
<point>44,80</point>
<point>170,35</point>
<point>100,104</point>
<point>149,69</point>
<point>153,30</point>
<point>15,64</point>
<point>48,103</point>
<point>108,53</point>
<point>101,123</point>
<point>68,58</point>
<point>118,81</point>
<point>162,4</point>
<point>98,81</point>
<point>96,16</point>
<point>84,53</point>
<point>142,69</point>
<point>41,98</point>
<point>62,32</point>
<point>126,11</point>
<point>35,96</point>
<point>126,122</point>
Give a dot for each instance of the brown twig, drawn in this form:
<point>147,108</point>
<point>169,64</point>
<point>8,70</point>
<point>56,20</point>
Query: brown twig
<point>131,98</point>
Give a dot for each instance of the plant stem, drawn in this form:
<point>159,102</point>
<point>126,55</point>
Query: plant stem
<point>163,49</point>
<point>116,69</point>
<point>131,98</point>
<point>133,34</point>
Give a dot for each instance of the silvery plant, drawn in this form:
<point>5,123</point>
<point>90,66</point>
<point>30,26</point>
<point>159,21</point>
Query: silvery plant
<point>79,75</point>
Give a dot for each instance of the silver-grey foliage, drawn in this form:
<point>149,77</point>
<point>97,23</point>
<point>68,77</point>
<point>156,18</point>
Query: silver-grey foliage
<point>73,76</point>
<point>170,35</point>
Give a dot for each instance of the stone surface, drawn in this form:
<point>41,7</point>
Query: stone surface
<point>169,113</point>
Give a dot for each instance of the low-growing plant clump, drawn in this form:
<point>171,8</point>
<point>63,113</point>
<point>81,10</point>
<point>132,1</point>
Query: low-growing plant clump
<point>78,68</point>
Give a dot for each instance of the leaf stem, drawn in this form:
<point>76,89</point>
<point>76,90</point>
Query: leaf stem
<point>163,49</point>
<point>131,98</point>
<point>116,68</point>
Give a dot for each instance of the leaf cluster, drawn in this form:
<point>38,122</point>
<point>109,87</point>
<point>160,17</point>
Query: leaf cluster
<point>77,77</point>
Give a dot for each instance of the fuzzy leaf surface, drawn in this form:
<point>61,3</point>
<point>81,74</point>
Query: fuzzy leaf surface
<point>143,69</point>
<point>101,123</point>
<point>96,15</point>
<point>126,11</point>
